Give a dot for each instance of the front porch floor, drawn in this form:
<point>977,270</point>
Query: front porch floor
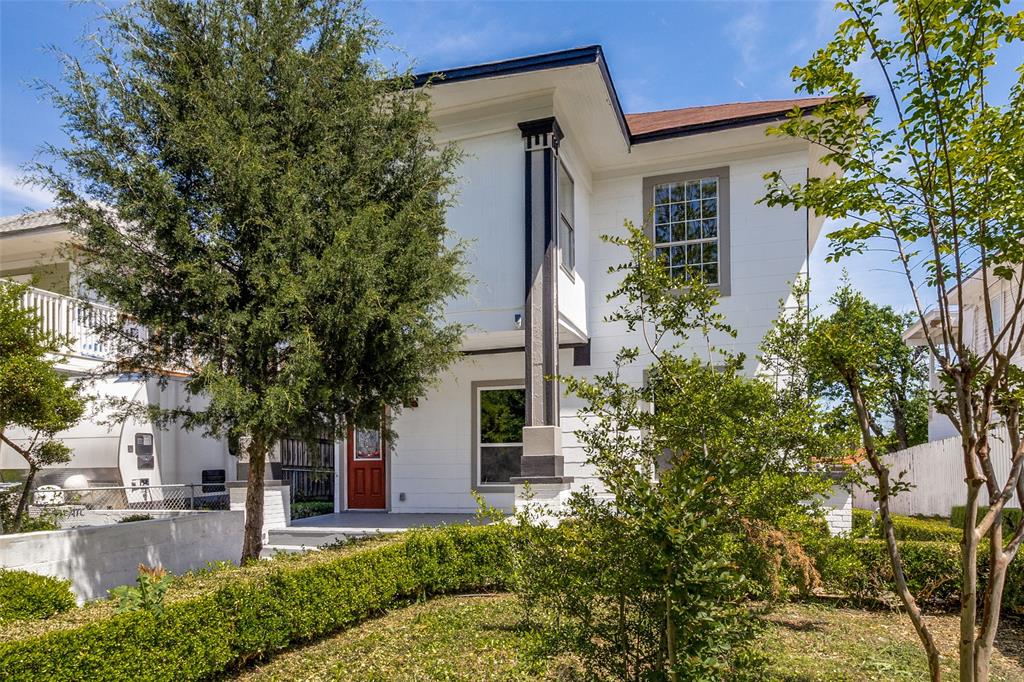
<point>381,521</point>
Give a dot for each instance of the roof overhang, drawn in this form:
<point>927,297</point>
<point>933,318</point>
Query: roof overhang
<point>562,59</point>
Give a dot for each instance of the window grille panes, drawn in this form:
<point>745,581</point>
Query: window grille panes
<point>686,216</point>
<point>500,439</point>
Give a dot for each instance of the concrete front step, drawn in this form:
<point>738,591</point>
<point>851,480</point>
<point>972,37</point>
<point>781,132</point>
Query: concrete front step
<point>269,551</point>
<point>297,539</point>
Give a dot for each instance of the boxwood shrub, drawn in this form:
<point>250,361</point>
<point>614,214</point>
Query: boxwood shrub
<point>861,568</point>
<point>248,618</point>
<point>1011,518</point>
<point>304,509</point>
<point>865,525</point>
<point>26,596</point>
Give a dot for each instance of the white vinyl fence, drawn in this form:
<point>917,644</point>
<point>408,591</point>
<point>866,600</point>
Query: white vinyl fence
<point>936,470</point>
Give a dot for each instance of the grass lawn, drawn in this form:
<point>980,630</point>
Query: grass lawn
<point>449,638</point>
<point>481,638</point>
<point>817,643</point>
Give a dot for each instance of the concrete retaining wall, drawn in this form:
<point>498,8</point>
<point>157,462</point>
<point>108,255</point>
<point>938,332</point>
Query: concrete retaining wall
<point>100,557</point>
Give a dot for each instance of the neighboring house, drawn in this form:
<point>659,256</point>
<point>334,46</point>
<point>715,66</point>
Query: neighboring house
<point>972,295</point>
<point>551,164</point>
<point>34,250</point>
<point>935,470</point>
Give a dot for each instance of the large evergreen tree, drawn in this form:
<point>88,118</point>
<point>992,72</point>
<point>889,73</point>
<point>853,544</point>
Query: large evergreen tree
<point>264,203</point>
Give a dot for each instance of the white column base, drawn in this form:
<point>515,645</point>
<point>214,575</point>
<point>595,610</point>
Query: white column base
<point>277,508</point>
<point>543,501</point>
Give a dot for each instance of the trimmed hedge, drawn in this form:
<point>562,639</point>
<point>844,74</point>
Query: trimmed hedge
<point>301,510</point>
<point>865,525</point>
<point>244,620</point>
<point>1011,518</point>
<point>861,569</point>
<point>25,595</point>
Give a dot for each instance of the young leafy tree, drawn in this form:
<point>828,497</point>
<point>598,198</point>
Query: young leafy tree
<point>264,204</point>
<point>700,463</point>
<point>938,185</point>
<point>898,413</point>
<point>35,399</point>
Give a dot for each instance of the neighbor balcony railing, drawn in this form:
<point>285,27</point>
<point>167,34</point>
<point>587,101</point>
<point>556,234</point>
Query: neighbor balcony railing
<point>72,318</point>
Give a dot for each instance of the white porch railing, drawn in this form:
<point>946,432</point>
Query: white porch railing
<point>73,318</point>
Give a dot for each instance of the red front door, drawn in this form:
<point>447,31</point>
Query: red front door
<point>365,469</point>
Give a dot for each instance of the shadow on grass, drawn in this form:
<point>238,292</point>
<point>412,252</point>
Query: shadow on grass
<point>1010,638</point>
<point>800,626</point>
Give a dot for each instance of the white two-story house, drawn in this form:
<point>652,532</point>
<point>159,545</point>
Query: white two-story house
<point>551,164</point>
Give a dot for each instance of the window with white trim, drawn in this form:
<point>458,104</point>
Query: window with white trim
<point>566,219</point>
<point>501,414</point>
<point>686,228</point>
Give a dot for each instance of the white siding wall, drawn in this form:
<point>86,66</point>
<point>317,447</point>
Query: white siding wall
<point>572,291</point>
<point>490,216</point>
<point>768,251</point>
<point>430,463</point>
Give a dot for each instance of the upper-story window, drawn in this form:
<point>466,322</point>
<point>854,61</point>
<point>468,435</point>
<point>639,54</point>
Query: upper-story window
<point>687,215</point>
<point>566,219</point>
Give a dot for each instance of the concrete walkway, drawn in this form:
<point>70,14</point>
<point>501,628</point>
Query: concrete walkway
<point>381,521</point>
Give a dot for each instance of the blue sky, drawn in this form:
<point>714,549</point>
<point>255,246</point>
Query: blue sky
<point>662,55</point>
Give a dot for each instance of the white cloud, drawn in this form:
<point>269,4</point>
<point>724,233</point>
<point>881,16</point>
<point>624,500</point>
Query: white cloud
<point>16,195</point>
<point>744,32</point>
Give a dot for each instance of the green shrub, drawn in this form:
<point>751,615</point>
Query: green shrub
<point>148,594</point>
<point>263,611</point>
<point>1011,518</point>
<point>861,569</point>
<point>131,518</point>
<point>866,525</point>
<point>301,510</point>
<point>26,595</point>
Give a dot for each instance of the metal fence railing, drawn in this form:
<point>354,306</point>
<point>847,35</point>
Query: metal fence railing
<point>186,496</point>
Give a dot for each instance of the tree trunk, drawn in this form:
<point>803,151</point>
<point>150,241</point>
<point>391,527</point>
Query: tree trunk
<point>26,495</point>
<point>884,492</point>
<point>670,632</point>
<point>999,561</point>
<point>253,534</point>
<point>969,588</point>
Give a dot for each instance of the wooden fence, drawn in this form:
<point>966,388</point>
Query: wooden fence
<point>936,470</point>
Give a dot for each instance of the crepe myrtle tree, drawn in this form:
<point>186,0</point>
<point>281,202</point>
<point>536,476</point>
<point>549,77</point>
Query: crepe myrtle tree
<point>936,182</point>
<point>35,399</point>
<point>264,204</point>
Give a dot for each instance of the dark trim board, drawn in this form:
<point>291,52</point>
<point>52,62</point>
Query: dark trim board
<point>520,349</point>
<point>508,67</point>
